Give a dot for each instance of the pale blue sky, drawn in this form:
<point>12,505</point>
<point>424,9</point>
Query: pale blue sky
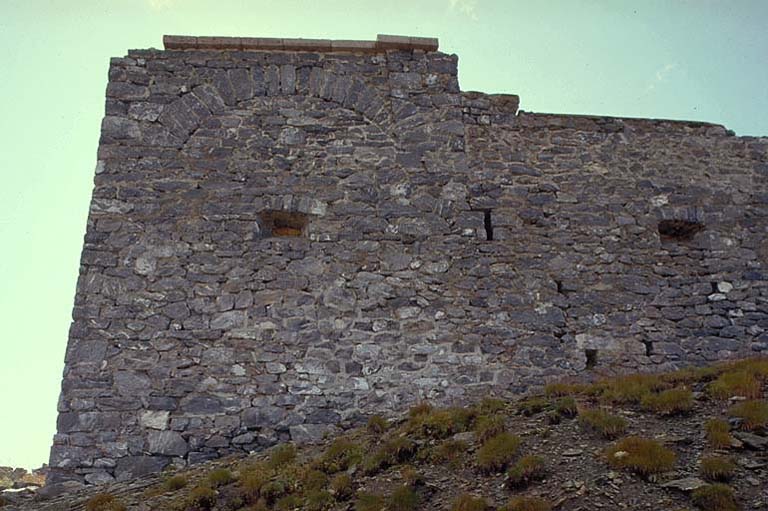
<point>682,59</point>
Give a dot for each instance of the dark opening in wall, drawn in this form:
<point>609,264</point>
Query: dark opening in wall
<point>488,224</point>
<point>648,348</point>
<point>283,224</point>
<point>591,355</point>
<point>679,230</point>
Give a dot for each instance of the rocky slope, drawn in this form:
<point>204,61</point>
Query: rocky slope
<point>695,439</point>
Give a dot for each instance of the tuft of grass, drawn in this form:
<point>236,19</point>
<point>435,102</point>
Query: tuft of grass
<point>252,479</point>
<point>527,504</point>
<point>735,383</point>
<point>718,433</point>
<point>532,406</point>
<point>754,414</point>
<point>526,470</point>
<point>606,424</point>
<point>497,452</point>
<point>220,477</point>
<point>640,455</point>
<point>403,498</point>
<point>341,486</point>
<point>369,502</point>
<point>341,455</point>
<point>441,423</point>
<point>566,407</point>
<point>377,424</point>
<point>717,468</point>
<point>488,426</point>
<point>411,476</point>
<point>313,480</point>
<point>174,483</point>
<point>104,502</point>
<point>466,502</point>
<point>450,452</point>
<point>393,452</point>
<point>715,497</point>
<point>202,497</point>
<point>631,388</point>
<point>490,405</point>
<point>422,408</point>
<point>318,500</point>
<point>669,402</point>
<point>288,503</point>
<point>272,491</point>
<point>281,455</point>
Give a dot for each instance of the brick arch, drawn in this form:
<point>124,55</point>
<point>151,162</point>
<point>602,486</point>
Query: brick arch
<point>229,88</point>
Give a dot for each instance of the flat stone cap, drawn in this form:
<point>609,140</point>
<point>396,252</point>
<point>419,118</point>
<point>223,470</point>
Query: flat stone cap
<point>381,44</point>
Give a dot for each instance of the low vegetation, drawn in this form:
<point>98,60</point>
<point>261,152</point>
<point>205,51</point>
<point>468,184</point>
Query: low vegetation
<point>413,463</point>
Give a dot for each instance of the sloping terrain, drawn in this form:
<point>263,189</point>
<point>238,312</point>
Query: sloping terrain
<point>694,439</point>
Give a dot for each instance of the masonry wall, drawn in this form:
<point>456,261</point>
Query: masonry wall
<point>198,331</point>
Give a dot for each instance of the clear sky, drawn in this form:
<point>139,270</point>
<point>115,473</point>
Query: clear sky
<point>681,59</point>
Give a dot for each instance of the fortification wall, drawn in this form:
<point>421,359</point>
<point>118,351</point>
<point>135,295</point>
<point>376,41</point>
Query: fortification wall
<point>280,242</point>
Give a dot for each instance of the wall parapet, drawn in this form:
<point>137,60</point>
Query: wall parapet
<point>382,43</point>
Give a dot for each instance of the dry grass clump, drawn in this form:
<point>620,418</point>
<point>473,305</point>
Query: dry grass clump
<point>393,452</point>
<point>566,407</point>
<point>341,486</point>
<point>715,497</point>
<point>104,502</point>
<point>202,497</point>
<point>631,388</point>
<point>450,452</point>
<point>497,452</point>
<point>369,502</point>
<point>467,502</point>
<point>220,477</point>
<point>403,498</point>
<point>282,455</point>
<point>491,405</point>
<point>422,408</point>
<point>558,389</point>
<point>717,468</point>
<point>640,455</point>
<point>669,402</point>
<point>735,383</point>
<point>488,426</point>
<point>606,424</point>
<point>377,424</point>
<point>340,455</point>
<point>718,433</point>
<point>754,414</point>
<point>532,406</point>
<point>441,423</point>
<point>526,470</point>
<point>318,500</point>
<point>174,483</point>
<point>527,504</point>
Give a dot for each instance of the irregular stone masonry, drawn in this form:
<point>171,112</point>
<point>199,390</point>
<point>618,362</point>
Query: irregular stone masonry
<point>281,242</point>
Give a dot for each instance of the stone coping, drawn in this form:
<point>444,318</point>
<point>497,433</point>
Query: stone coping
<point>381,44</point>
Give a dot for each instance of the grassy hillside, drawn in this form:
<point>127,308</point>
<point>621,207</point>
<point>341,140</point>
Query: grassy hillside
<point>693,439</point>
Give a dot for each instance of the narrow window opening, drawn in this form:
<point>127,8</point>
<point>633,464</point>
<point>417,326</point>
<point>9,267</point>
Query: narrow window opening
<point>488,224</point>
<point>591,355</point>
<point>559,284</point>
<point>648,348</point>
<point>679,230</point>
<point>283,224</point>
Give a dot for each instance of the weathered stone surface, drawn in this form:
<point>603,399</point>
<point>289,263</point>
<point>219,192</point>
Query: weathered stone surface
<point>279,242</point>
<point>686,484</point>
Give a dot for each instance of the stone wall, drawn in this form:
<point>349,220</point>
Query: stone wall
<point>280,242</point>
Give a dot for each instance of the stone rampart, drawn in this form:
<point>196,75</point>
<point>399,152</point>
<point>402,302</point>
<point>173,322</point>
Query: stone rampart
<point>282,240</point>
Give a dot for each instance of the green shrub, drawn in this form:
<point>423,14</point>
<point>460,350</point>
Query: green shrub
<point>369,502</point>
<point>715,497</point>
<point>403,498</point>
<point>466,502</point>
<point>341,486</point>
<point>377,424</point>
<point>220,477</point>
<point>527,504</point>
<point>607,425</point>
<point>669,402</point>
<point>718,433</point>
<point>497,452</point>
<point>532,406</point>
<point>488,426</point>
<point>281,455</point>
<point>174,483</point>
<point>104,502</point>
<point>566,407</point>
<point>641,455</point>
<point>202,497</point>
<point>754,414</point>
<point>525,470</point>
<point>717,468</point>
<point>341,455</point>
